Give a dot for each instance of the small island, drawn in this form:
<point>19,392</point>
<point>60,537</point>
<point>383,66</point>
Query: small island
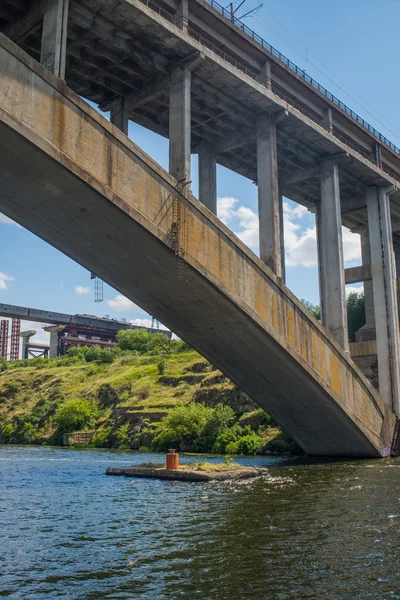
<point>201,471</point>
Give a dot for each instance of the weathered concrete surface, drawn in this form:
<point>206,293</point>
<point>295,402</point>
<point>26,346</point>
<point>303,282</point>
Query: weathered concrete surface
<point>185,473</point>
<point>76,181</point>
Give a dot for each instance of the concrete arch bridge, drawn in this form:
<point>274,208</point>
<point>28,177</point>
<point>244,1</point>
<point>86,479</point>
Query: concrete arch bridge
<point>77,181</point>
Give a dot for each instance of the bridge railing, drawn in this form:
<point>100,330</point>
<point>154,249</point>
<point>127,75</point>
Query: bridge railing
<point>272,86</point>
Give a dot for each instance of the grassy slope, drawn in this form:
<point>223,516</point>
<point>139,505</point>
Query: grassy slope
<point>130,381</point>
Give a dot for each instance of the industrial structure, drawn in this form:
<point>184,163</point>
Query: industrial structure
<point>190,71</point>
<point>65,331</point>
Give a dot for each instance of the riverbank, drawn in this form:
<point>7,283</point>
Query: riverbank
<point>148,401</point>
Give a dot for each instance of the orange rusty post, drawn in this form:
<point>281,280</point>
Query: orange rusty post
<point>172,460</point>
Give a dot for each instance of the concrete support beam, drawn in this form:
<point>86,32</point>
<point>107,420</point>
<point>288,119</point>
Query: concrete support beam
<point>208,176</point>
<point>397,264</point>
<point>357,274</point>
<point>268,194</point>
<point>385,296</point>
<point>54,37</point>
<point>180,124</point>
<point>19,30</point>
<point>330,255</point>
<point>282,240</point>
<point>119,114</point>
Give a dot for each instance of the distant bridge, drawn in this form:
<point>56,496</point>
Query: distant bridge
<point>77,181</point>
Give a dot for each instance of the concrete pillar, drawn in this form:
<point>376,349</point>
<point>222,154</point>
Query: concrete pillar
<point>266,74</point>
<point>397,265</point>
<point>330,255</point>
<point>54,37</point>
<point>208,176</point>
<point>182,14</point>
<point>385,296</point>
<point>268,194</point>
<point>329,120</point>
<point>179,124</point>
<point>282,240</point>
<point>119,114</point>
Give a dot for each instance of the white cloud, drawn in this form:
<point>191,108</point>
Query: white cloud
<point>80,289</point>
<point>301,244</point>
<point>226,205</point>
<point>4,280</point>
<point>147,323</point>
<point>354,288</point>
<point>7,221</point>
<point>122,304</point>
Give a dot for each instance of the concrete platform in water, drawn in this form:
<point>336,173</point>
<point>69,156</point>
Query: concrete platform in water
<point>185,473</point>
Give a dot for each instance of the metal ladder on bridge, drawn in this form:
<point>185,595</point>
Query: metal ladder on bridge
<point>395,448</point>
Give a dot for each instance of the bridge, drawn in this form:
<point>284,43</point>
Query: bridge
<point>190,73</point>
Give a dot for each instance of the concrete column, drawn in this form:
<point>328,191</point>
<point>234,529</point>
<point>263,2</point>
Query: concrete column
<point>330,255</point>
<point>183,14</point>
<point>385,296</point>
<point>119,114</point>
<point>268,194</point>
<point>368,291</point>
<point>54,37</point>
<point>208,176</point>
<point>397,265</point>
<point>282,241</point>
<point>179,125</point>
<point>266,74</point>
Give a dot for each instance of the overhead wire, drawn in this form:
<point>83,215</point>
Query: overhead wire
<point>364,103</point>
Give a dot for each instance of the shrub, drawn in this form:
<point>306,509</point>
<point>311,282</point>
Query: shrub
<point>75,414</point>
<point>220,419</point>
<point>161,367</point>
<point>123,434</point>
<point>101,438</point>
<point>248,444</point>
<point>7,433</point>
<point>3,364</point>
<point>26,434</point>
<point>99,355</point>
<point>182,427</point>
<point>136,340</point>
<point>228,437</point>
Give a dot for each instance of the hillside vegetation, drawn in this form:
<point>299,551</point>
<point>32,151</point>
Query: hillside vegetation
<point>145,394</point>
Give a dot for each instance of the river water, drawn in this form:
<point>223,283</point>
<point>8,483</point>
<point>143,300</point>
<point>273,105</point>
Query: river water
<point>307,530</point>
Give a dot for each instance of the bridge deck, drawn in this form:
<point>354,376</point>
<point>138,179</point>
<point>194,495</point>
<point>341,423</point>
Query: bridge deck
<point>73,179</point>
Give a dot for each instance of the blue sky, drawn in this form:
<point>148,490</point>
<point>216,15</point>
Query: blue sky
<point>349,47</point>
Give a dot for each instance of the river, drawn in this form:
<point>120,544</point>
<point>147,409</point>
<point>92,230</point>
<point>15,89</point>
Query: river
<point>318,530</point>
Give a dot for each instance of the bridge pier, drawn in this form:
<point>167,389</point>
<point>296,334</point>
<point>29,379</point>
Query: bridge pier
<point>119,114</point>
<point>179,124</point>
<point>385,296</point>
<point>367,331</point>
<point>208,176</point>
<point>54,37</point>
<point>269,198</point>
<point>330,255</point>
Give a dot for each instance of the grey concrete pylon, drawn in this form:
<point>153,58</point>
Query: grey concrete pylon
<point>330,255</point>
<point>207,176</point>
<point>269,212</point>
<point>385,297</point>
<point>367,332</point>
<point>119,114</point>
<point>179,123</point>
<point>54,37</point>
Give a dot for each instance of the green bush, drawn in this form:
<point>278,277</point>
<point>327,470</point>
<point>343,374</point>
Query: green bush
<point>101,438</point>
<point>217,424</point>
<point>26,433</point>
<point>228,437</point>
<point>75,414</point>
<point>182,427</point>
<point>99,355</point>
<point>3,364</point>
<point>161,367</point>
<point>248,444</point>
<point>7,433</point>
<point>123,434</point>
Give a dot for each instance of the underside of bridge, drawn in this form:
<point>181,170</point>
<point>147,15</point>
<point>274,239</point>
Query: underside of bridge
<point>75,180</point>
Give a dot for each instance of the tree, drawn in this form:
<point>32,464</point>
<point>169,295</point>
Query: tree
<point>314,309</point>
<point>355,313</point>
<point>75,414</point>
<point>136,340</point>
